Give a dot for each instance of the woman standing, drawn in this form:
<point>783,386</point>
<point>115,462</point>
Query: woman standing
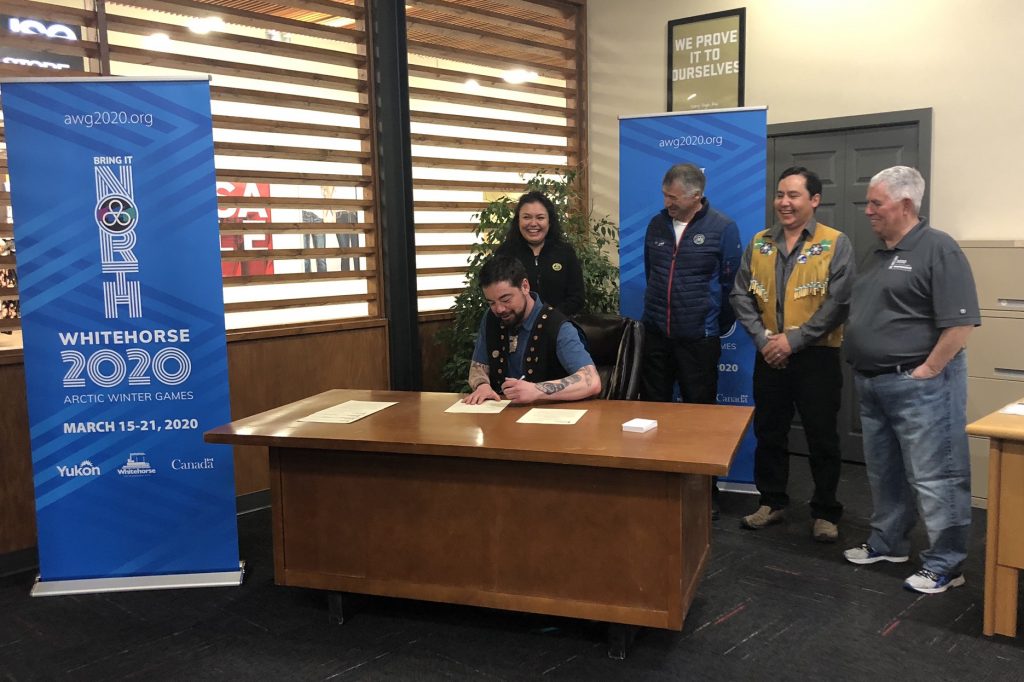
<point>535,238</point>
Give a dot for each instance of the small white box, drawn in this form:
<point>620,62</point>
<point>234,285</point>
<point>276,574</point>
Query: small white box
<point>640,425</point>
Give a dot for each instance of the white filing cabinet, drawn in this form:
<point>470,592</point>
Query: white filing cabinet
<point>995,358</point>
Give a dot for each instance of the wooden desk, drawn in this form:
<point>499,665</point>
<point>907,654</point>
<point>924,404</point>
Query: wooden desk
<point>584,521</point>
<point>1004,550</point>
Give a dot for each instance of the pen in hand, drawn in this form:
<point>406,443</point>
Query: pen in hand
<point>520,379</point>
<point>507,381</point>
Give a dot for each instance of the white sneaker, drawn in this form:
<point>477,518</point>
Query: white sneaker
<point>865,554</point>
<point>928,582</point>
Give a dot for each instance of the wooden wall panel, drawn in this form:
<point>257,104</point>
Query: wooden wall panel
<point>17,503</point>
<point>432,354</point>
<point>269,372</point>
<point>264,373</point>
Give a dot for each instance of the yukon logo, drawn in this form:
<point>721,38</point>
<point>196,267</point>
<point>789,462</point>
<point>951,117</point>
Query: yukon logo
<point>136,465</point>
<point>86,468</point>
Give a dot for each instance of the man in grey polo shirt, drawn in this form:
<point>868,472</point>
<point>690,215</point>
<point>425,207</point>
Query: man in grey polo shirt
<point>913,306</point>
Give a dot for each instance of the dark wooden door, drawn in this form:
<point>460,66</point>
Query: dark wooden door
<point>845,160</point>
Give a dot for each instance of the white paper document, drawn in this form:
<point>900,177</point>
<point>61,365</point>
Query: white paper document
<point>540,415</point>
<point>1014,408</point>
<point>486,407</point>
<point>347,412</point>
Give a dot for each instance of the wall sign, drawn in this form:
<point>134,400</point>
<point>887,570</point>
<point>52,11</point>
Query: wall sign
<point>43,31</point>
<point>705,61</point>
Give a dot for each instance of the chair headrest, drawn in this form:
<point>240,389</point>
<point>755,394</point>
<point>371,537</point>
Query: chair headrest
<point>604,332</point>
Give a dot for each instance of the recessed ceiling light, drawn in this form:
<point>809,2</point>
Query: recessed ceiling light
<point>156,41</point>
<point>516,76</point>
<point>204,25</point>
<point>339,22</point>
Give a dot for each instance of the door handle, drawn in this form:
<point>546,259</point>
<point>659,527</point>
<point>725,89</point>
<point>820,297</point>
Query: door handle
<point>1009,373</point>
<point>1011,303</point>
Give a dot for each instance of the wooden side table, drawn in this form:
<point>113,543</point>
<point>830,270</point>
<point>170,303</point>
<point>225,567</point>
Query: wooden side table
<point>1004,552</point>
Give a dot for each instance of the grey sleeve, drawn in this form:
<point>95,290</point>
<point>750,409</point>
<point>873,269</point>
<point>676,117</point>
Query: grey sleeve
<point>743,302</point>
<point>836,306</point>
<point>954,296</point>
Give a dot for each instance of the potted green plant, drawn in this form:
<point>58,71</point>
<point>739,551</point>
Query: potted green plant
<point>590,237</point>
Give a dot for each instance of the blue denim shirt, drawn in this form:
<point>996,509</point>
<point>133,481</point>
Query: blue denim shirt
<point>570,350</point>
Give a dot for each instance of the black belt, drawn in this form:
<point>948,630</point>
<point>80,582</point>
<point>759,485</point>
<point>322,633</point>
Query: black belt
<point>905,367</point>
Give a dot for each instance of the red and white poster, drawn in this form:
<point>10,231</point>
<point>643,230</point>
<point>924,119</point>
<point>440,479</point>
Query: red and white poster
<point>245,242</point>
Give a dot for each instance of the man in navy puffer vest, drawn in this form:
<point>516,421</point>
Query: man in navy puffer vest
<point>691,254</point>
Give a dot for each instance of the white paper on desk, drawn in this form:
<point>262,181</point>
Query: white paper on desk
<point>347,412</point>
<point>1014,408</point>
<point>540,415</point>
<point>486,407</point>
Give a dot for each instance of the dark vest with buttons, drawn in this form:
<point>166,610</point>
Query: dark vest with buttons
<point>540,359</point>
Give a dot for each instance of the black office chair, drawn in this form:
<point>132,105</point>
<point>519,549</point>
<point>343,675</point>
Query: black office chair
<point>616,344</point>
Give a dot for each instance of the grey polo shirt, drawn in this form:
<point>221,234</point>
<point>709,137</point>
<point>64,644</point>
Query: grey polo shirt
<point>833,308</point>
<point>905,296</point>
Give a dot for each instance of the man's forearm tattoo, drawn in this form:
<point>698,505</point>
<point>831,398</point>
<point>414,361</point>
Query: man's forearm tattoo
<point>478,374</point>
<point>550,387</point>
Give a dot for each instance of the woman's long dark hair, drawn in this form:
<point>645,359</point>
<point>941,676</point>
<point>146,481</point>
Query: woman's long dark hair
<point>513,237</point>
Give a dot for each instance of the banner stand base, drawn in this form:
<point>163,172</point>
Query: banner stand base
<point>737,487</point>
<point>56,588</point>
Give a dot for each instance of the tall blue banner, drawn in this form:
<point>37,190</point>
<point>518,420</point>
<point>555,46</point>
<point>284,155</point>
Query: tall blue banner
<point>731,147</point>
<point>115,221</point>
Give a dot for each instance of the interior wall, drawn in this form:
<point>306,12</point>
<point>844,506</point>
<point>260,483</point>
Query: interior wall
<point>17,501</point>
<point>814,59</point>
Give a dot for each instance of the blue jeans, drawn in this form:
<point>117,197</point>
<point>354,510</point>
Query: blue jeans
<point>915,448</point>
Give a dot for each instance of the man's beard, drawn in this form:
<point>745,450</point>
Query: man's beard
<point>515,320</point>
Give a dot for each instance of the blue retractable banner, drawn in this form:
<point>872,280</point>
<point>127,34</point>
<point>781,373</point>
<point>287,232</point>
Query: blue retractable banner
<point>115,220</point>
<point>731,146</point>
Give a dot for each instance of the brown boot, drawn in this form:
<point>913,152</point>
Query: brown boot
<point>764,516</point>
<point>825,531</point>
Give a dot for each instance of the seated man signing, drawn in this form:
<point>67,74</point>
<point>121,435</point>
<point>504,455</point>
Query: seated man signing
<point>526,350</point>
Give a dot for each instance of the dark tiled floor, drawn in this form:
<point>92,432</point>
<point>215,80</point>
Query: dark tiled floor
<point>773,605</point>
